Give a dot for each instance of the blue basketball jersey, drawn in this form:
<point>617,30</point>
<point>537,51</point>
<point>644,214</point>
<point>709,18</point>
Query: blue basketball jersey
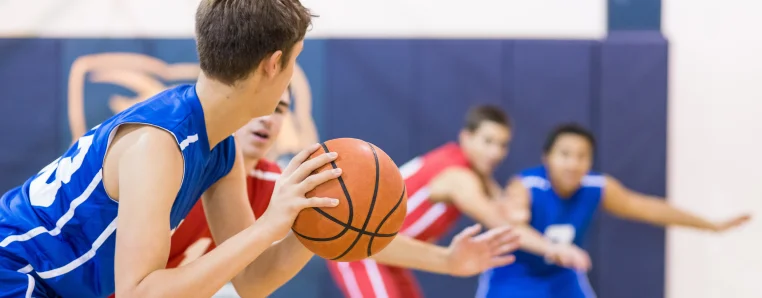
<point>560,220</point>
<point>59,226</point>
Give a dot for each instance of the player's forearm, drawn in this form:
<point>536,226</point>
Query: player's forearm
<point>207,274</point>
<point>407,252</point>
<point>532,241</point>
<point>658,212</point>
<point>276,266</point>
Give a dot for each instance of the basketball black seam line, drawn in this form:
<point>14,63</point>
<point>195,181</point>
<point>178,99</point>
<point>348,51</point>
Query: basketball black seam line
<point>352,227</point>
<point>370,210</point>
<point>370,243</point>
<point>349,201</point>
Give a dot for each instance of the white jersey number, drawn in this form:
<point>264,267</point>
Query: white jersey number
<point>560,233</point>
<point>42,193</point>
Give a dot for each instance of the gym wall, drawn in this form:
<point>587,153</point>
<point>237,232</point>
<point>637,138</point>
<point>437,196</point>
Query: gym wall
<point>401,72</point>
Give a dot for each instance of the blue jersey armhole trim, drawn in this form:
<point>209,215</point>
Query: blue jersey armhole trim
<point>112,132</point>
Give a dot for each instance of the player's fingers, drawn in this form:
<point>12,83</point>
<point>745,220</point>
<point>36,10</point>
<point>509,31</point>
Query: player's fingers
<point>307,167</point>
<point>510,241</point>
<point>493,234</point>
<point>299,158</point>
<point>582,262</point>
<point>318,203</point>
<point>502,261</point>
<point>505,248</point>
<point>316,179</point>
<point>467,232</point>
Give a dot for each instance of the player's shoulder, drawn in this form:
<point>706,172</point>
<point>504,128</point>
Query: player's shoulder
<point>597,180</point>
<point>533,178</point>
<point>458,176</point>
<point>176,110</point>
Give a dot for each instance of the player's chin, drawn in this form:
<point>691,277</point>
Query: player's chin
<point>255,150</point>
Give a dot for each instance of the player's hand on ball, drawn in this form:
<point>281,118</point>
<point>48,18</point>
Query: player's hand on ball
<point>471,254</point>
<point>570,256</point>
<point>297,179</point>
<point>731,223</point>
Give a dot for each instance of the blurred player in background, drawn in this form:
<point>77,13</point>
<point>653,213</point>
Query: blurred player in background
<point>468,255</point>
<point>452,179</point>
<point>151,163</point>
<point>552,206</point>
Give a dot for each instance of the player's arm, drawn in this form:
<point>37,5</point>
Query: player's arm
<point>467,255</point>
<point>517,204</point>
<point>150,169</point>
<point>466,191</point>
<point>629,204</point>
<point>229,211</point>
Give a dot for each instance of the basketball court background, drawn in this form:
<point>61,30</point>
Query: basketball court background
<point>400,82</point>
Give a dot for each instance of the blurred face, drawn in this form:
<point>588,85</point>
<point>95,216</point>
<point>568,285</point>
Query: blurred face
<point>257,136</point>
<point>275,79</point>
<point>568,161</point>
<point>486,146</point>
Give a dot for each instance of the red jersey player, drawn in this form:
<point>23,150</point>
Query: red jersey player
<point>454,178</point>
<point>469,253</point>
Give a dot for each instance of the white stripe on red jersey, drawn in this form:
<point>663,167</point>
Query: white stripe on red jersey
<point>427,220</point>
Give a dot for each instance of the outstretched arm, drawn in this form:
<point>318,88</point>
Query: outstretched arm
<point>517,205</point>
<point>629,204</point>
<point>465,189</point>
<point>468,254</point>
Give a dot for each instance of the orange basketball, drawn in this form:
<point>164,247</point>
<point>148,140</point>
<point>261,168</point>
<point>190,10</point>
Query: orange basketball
<point>372,207</point>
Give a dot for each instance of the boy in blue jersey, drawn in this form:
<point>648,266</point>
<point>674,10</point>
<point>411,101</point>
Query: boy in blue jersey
<point>552,206</point>
<point>141,171</point>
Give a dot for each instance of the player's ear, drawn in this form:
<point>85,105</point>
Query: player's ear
<point>463,135</point>
<point>271,64</point>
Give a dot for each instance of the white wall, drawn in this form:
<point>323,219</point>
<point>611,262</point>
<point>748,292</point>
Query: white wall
<point>338,18</point>
<point>715,139</point>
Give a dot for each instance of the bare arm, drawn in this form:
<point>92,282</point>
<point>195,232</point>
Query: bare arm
<point>629,204</point>
<point>468,254</point>
<point>228,212</point>
<point>150,170</point>
<point>464,189</point>
<point>518,205</point>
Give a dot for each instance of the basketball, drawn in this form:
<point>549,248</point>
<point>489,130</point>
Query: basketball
<point>372,207</point>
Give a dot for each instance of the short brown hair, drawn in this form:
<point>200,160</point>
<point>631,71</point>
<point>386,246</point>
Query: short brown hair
<point>483,113</point>
<point>234,36</point>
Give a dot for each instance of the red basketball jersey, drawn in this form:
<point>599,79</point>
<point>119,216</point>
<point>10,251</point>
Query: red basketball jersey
<point>192,238</point>
<point>427,220</point>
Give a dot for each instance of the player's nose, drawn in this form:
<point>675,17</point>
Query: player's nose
<point>266,121</point>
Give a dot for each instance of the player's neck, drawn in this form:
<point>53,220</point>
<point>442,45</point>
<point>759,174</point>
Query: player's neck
<point>250,163</point>
<point>226,108</point>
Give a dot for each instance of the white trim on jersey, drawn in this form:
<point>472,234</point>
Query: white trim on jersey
<point>376,281</point>
<point>584,284</point>
<point>30,286</point>
<point>266,176</point>
<point>483,286</point>
<point>350,280</point>
<point>543,184</point>
<point>61,221</point>
<point>594,181</point>
<point>26,269</point>
<point>417,199</point>
<point>188,140</point>
<point>428,218</point>
<point>84,257</point>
